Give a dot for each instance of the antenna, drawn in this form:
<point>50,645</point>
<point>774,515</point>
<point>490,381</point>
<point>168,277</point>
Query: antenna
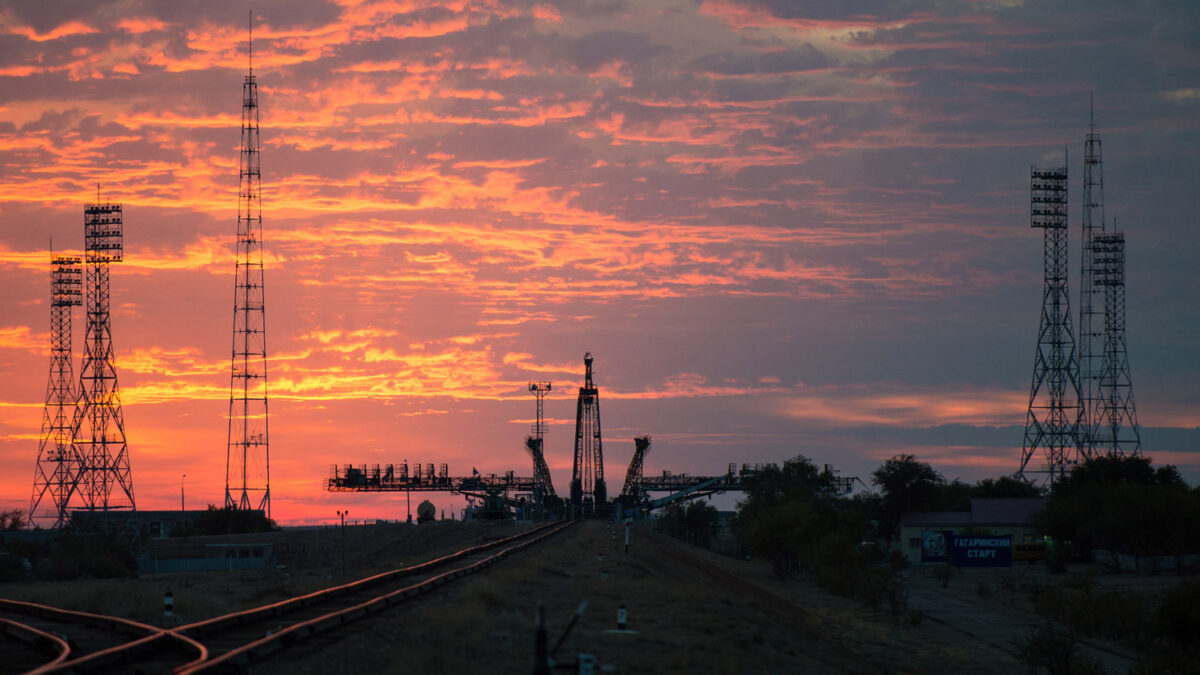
<point>250,40</point>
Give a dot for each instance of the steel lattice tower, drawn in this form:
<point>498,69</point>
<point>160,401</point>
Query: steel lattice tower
<point>104,479</point>
<point>1051,423</point>
<point>588,492</point>
<point>1115,431</point>
<point>247,464</point>
<point>56,466</point>
<point>1091,308</point>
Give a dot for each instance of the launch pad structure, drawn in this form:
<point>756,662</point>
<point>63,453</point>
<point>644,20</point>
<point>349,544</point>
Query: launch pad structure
<point>534,496</point>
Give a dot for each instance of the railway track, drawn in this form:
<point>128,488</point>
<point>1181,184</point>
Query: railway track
<point>231,641</point>
<point>61,636</point>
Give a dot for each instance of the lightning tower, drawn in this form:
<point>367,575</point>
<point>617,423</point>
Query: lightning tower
<point>588,492</point>
<point>1052,421</point>
<point>247,463</point>
<point>1091,307</point>
<point>104,480</point>
<point>56,466</point>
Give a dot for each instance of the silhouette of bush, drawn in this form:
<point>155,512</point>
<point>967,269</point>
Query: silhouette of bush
<point>1055,651</point>
<point>229,520</point>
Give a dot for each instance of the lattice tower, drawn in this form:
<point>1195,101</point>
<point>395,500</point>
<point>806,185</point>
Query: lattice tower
<point>104,480</point>
<point>1116,431</point>
<point>1051,423</point>
<point>1091,307</point>
<point>247,464</point>
<point>56,467</point>
<point>588,492</point>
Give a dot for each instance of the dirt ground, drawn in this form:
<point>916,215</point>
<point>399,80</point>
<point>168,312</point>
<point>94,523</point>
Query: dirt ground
<point>687,609</point>
<point>309,559</point>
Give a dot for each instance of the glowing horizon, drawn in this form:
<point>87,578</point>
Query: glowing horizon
<point>781,230</point>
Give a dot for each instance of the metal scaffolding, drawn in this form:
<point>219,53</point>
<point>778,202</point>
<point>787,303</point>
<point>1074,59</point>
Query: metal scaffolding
<point>1051,424</point>
<point>247,465</point>
<point>57,467</point>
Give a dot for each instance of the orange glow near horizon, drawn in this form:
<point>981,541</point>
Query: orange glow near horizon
<point>782,230</point>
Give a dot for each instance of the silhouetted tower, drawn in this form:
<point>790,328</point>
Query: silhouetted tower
<point>588,493</point>
<point>247,464</point>
<point>632,492</point>
<point>1091,307</point>
<point>56,466</point>
<point>1051,423</point>
<point>535,444</point>
<point>1116,430</point>
<point>104,480</point>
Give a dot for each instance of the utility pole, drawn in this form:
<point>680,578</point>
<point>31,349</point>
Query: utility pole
<point>343,515</point>
<point>181,502</point>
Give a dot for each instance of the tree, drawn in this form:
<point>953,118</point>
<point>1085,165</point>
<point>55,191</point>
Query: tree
<point>230,520</point>
<point>1005,486</point>
<point>11,521</point>
<point>1123,504</point>
<point>907,485</point>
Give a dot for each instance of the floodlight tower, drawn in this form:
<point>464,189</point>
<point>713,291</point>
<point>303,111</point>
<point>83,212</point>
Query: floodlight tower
<point>542,486</point>
<point>1091,308</point>
<point>104,480</point>
<point>1052,419</point>
<point>247,458</point>
<point>1116,432</point>
<point>56,466</point>
<point>588,492</point>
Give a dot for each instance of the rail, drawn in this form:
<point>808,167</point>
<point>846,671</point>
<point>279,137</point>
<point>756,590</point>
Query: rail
<point>147,635</point>
<point>40,640</point>
<point>150,637</point>
<point>240,656</point>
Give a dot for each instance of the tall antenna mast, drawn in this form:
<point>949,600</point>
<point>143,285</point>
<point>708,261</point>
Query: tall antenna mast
<point>1091,307</point>
<point>247,464</point>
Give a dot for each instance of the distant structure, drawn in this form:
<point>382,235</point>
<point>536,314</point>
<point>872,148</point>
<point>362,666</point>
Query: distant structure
<point>588,492</point>
<point>632,492</point>
<point>247,464</point>
<point>104,480</point>
<point>1051,426</point>
<point>1091,302</point>
<point>1116,430</point>
<point>1108,416</point>
<point>56,467</point>
<point>543,486</point>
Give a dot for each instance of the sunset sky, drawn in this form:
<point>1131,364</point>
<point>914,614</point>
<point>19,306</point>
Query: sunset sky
<point>780,227</point>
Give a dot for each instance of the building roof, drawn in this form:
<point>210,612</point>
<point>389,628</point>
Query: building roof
<point>984,512</point>
<point>1005,511</point>
<point>947,518</point>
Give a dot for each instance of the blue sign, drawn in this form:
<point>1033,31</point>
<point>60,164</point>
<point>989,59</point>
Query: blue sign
<point>935,546</point>
<point>986,550</point>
